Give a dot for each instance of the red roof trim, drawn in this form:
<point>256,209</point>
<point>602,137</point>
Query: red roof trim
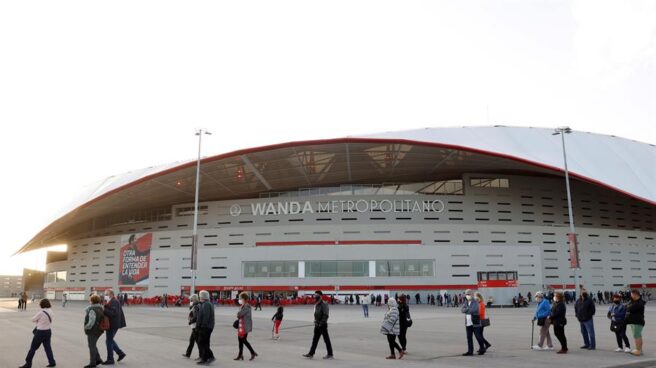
<point>342,141</point>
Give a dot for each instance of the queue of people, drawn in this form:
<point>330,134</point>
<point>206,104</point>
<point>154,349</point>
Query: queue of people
<point>620,315</point>
<point>107,317</point>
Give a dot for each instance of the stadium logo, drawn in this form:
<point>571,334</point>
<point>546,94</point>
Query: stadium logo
<point>235,210</point>
<point>339,206</point>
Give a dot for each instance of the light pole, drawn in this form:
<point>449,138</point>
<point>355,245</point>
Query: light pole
<point>573,243</point>
<point>194,234</point>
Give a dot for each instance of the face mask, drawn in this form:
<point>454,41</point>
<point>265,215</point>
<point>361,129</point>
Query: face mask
<point>241,301</point>
<point>468,297</point>
<point>107,298</point>
<point>317,298</point>
<point>616,301</point>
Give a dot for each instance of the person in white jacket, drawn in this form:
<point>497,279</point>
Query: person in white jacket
<point>391,328</point>
<point>365,305</point>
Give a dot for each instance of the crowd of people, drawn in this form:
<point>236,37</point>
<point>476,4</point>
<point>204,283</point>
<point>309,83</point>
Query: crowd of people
<point>105,316</point>
<point>627,309</point>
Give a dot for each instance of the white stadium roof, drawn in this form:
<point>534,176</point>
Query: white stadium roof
<point>619,164</point>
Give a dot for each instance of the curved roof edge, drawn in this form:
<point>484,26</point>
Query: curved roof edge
<point>623,166</point>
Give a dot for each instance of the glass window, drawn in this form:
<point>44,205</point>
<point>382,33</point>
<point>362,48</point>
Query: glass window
<point>409,268</point>
<point>492,276</point>
<point>337,269</point>
<point>271,269</point>
<point>489,182</point>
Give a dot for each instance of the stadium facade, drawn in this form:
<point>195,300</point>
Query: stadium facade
<point>424,211</point>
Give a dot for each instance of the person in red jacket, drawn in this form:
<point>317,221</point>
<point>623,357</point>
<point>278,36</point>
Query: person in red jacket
<point>481,309</point>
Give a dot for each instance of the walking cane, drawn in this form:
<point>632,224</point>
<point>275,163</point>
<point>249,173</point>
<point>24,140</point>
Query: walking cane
<point>532,331</point>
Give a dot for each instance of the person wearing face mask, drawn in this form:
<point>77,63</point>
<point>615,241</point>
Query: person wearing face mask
<point>542,316</point>
<point>635,317</point>
<point>114,312</point>
<point>205,325</point>
<point>194,305</point>
<point>585,311</point>
<point>472,324</point>
<point>558,320</point>
<point>245,326</point>
<point>616,314</point>
<point>320,327</point>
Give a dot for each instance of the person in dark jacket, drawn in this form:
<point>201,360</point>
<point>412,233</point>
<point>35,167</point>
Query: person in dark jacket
<point>320,327</point>
<point>192,318</point>
<point>205,326</point>
<point>585,311</point>
<point>472,324</point>
<point>635,317</point>
<point>558,320</point>
<point>617,314</point>
<point>404,321</point>
<point>244,316</point>
<point>277,321</point>
<point>114,312</point>
<point>93,316</point>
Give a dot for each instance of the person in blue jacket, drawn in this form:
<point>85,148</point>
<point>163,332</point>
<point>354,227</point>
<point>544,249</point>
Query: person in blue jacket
<point>617,314</point>
<point>541,316</point>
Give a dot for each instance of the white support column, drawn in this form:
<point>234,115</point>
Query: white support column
<point>301,269</point>
<point>372,268</point>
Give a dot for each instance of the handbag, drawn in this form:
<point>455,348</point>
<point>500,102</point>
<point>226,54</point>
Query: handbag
<point>235,324</point>
<point>541,321</point>
<point>104,324</point>
<point>485,322</point>
<point>616,326</point>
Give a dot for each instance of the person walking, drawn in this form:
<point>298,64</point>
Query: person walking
<point>472,324</point>
<point>585,311</point>
<point>391,328</point>
<point>558,320</point>
<point>320,327</point>
<point>114,312</point>
<point>245,325</point>
<point>542,312</point>
<point>405,321</point>
<point>616,315</point>
<point>205,326</point>
<point>192,318</point>
<point>635,317</point>
<point>481,311</point>
<point>24,299</point>
<point>64,299</point>
<point>258,302</point>
<point>42,335</point>
<point>365,305</point>
<point>277,321</point>
<point>93,316</point>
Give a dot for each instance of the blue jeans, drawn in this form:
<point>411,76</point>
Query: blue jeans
<point>112,346</point>
<point>40,337</point>
<point>365,309</point>
<point>587,330</point>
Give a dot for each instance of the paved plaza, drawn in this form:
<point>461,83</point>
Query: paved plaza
<point>157,337</point>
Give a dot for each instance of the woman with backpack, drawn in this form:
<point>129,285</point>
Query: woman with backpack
<point>391,328</point>
<point>277,320</point>
<point>42,334</point>
<point>93,328</point>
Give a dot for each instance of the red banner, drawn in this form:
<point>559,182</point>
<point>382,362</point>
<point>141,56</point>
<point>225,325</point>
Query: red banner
<point>497,283</point>
<point>134,260</point>
<point>573,250</point>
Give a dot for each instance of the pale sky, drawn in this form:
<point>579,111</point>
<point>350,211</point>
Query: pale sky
<point>91,89</point>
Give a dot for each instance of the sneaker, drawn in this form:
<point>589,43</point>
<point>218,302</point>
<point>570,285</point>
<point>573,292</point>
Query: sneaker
<point>585,347</point>
<point>536,347</point>
<point>636,352</point>
<point>329,356</point>
<point>619,350</point>
<point>627,350</point>
<point>121,357</point>
<point>309,356</point>
<point>548,348</point>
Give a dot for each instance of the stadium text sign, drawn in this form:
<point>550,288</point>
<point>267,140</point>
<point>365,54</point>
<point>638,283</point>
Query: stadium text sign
<point>340,206</point>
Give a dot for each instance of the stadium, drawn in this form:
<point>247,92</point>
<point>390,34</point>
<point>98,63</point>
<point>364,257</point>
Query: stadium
<point>420,211</point>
